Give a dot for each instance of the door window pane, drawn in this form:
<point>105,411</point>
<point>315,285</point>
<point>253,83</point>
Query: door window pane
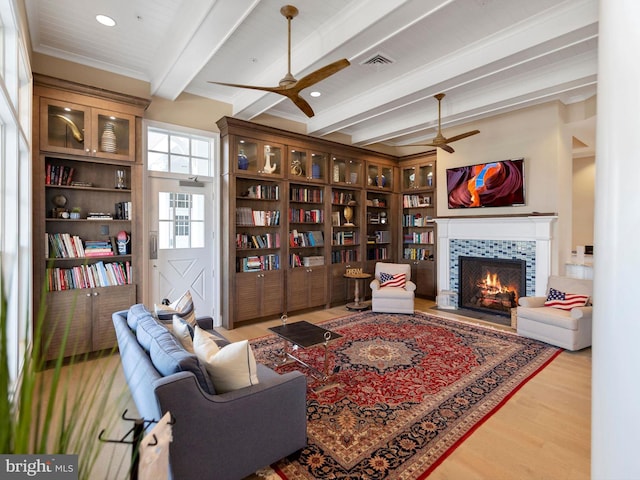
<point>181,220</point>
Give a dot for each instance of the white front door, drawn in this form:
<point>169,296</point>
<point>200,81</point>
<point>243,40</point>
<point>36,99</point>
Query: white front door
<point>181,242</point>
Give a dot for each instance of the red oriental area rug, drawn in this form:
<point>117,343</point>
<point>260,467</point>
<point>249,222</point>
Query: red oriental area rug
<point>410,389</point>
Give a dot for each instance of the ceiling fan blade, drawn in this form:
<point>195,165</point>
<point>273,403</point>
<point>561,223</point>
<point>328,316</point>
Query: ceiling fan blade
<point>301,103</point>
<point>446,148</point>
<point>320,74</point>
<point>462,135</point>
<point>252,87</point>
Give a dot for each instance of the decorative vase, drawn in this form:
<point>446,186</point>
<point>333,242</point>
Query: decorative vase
<point>243,161</point>
<point>108,139</point>
<point>315,170</point>
<point>381,181</point>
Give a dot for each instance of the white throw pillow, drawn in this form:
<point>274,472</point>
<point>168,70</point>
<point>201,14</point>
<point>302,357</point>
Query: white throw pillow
<point>231,367</point>
<point>182,333</point>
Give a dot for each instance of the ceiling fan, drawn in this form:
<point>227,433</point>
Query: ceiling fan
<point>289,86</point>
<point>440,141</point>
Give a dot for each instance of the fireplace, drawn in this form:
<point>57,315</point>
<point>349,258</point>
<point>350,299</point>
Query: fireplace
<point>491,284</point>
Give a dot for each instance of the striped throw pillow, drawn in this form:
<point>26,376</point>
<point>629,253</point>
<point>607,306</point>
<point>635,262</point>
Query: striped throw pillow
<point>393,280</point>
<point>565,301</point>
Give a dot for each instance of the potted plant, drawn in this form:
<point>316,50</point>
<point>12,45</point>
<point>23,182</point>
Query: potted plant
<point>75,213</point>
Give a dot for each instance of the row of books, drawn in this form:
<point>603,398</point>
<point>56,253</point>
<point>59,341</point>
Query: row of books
<point>263,192</point>
<point>412,201</point>
<point>58,175</point>
<point>65,245</point>
<point>343,256</point>
<point>300,215</point>
<point>245,216</point>
<point>378,253</point>
<point>304,194</point>
<point>267,240</point>
<point>341,198</point>
<point>99,274</point>
<point>345,238</point>
<point>306,239</point>
<point>124,211</point>
<point>417,254</point>
<point>258,263</point>
<point>416,220</point>
<point>419,237</point>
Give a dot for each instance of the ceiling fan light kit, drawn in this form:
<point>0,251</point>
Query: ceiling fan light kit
<point>288,85</point>
<point>440,141</point>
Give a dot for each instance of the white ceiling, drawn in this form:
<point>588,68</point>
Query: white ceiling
<point>488,56</point>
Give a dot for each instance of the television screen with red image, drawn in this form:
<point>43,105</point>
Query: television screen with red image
<point>493,184</point>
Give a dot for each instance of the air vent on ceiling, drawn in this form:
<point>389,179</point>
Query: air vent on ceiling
<point>378,59</point>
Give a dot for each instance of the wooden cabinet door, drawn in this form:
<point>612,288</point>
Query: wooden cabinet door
<point>317,286</point>
<point>106,301</point>
<point>67,311</point>
<point>65,127</point>
<point>272,292</point>
<point>121,145</point>
<point>297,289</point>
<point>424,276</point>
<point>248,288</point>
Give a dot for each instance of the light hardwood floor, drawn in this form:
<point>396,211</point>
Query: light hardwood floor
<point>542,433</point>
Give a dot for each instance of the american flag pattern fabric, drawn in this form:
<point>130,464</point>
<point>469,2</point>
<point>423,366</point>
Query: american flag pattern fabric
<point>391,280</point>
<point>565,301</point>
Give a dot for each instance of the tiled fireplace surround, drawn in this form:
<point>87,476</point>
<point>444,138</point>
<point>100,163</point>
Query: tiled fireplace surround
<point>527,238</point>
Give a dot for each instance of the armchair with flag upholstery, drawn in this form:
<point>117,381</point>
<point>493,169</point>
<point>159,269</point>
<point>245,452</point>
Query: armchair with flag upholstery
<point>392,290</point>
<point>562,317</point>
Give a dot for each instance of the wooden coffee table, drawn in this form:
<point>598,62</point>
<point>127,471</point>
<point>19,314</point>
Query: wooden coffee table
<point>303,335</point>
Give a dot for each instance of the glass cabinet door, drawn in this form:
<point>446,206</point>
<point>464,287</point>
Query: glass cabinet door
<point>308,165</point>
<point>271,161</point>
<point>246,156</point>
<point>380,176</point>
<point>418,177</point>
<point>63,127</point>
<point>113,135</point>
<point>346,171</point>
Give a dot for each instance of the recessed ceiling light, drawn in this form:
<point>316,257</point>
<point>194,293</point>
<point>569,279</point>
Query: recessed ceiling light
<point>105,20</point>
<point>315,94</point>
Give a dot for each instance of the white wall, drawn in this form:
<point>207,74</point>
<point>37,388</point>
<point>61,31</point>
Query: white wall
<point>537,134</point>
<point>584,175</point>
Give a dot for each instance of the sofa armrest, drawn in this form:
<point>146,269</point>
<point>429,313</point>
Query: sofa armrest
<point>233,434</point>
<point>582,313</point>
<point>205,323</point>
<point>375,284</point>
<point>410,286</point>
<point>532,302</point>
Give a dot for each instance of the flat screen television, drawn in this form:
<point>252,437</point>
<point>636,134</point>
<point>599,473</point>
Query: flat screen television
<point>492,184</point>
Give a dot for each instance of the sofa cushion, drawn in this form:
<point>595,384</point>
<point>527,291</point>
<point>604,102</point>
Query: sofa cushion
<point>183,307</point>
<point>147,329</point>
<point>565,301</point>
<point>398,280</point>
<point>135,312</point>
<point>550,316</point>
<point>231,367</point>
<point>169,356</point>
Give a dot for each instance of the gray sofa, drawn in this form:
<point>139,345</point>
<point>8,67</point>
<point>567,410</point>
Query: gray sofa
<point>215,436</point>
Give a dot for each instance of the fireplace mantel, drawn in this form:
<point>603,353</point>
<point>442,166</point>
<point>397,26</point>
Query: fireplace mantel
<point>534,228</point>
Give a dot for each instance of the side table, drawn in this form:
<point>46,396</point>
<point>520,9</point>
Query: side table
<point>357,277</point>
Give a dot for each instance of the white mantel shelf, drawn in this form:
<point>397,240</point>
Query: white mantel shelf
<point>537,228</point>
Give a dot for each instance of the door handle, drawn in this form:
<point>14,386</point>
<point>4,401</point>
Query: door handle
<point>153,245</point>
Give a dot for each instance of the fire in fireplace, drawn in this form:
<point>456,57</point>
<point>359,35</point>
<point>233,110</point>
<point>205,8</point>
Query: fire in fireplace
<point>491,284</point>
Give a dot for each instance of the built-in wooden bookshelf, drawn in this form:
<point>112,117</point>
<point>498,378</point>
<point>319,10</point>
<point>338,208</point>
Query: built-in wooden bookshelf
<point>85,196</point>
<point>419,240</point>
<point>332,199</point>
